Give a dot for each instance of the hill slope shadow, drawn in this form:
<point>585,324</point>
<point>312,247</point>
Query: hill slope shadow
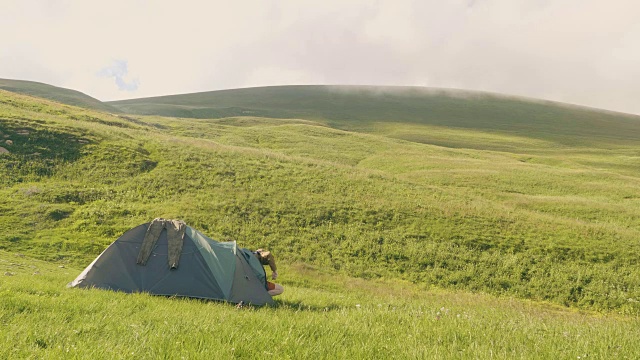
<point>31,150</point>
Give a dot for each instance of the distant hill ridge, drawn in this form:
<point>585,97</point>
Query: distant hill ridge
<point>58,94</point>
<point>361,107</point>
<point>365,108</point>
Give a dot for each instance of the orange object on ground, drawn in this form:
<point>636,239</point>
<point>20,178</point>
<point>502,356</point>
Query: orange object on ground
<point>274,289</point>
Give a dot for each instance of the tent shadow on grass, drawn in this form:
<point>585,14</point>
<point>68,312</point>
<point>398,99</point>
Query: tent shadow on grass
<point>301,306</point>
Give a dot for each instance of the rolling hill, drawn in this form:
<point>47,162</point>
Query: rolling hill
<point>62,95</point>
<point>495,207</point>
<point>509,236</point>
<point>374,109</point>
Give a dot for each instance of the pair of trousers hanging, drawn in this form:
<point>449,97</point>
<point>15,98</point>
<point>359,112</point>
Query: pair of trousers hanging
<point>175,240</point>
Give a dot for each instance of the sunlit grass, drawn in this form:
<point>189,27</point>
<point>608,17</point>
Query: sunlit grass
<point>320,315</point>
<point>520,216</point>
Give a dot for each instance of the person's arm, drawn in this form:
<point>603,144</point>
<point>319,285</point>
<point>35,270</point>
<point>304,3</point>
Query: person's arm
<point>272,265</point>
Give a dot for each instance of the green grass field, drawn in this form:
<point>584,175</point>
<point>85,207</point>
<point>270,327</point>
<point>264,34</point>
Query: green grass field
<point>319,316</point>
<point>530,228</point>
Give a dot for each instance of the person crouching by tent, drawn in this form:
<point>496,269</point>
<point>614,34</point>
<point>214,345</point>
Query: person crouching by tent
<point>266,258</point>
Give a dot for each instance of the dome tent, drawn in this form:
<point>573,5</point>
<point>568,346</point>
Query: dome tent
<point>199,267</point>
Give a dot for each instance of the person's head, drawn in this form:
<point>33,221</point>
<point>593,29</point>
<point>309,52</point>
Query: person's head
<point>264,256</point>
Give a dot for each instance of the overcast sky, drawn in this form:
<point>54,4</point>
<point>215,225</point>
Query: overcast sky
<point>578,51</point>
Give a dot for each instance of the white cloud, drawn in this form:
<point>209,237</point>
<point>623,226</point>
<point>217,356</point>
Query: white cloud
<point>568,50</point>
<point>118,70</point>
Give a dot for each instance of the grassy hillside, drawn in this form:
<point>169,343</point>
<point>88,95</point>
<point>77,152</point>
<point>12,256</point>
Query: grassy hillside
<point>382,109</point>
<point>537,219</point>
<point>62,95</point>
<point>319,316</point>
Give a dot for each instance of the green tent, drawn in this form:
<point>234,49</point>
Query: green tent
<point>201,267</point>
